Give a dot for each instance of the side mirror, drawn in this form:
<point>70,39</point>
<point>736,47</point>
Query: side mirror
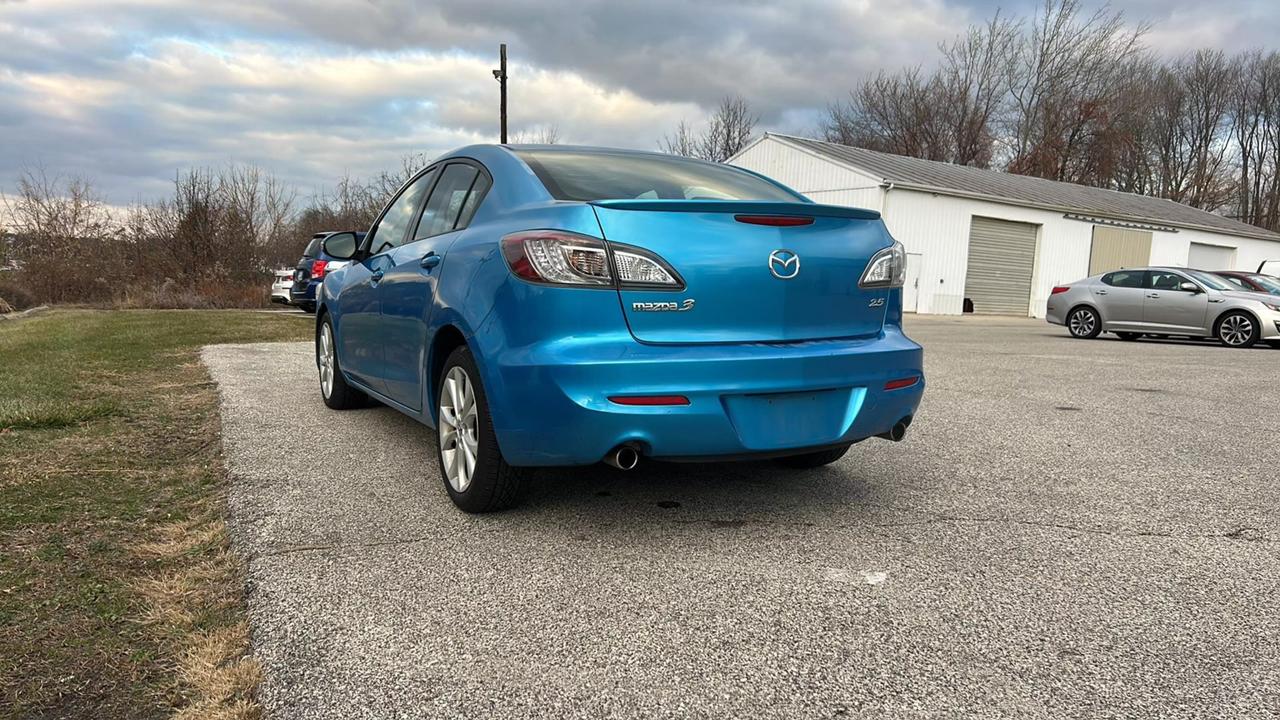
<point>341,245</point>
<point>1189,287</point>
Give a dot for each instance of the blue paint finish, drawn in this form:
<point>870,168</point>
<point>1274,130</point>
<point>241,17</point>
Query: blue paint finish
<point>725,264</point>
<point>767,364</point>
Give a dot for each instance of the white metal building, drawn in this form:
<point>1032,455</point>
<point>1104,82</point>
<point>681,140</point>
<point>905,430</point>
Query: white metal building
<point>996,242</point>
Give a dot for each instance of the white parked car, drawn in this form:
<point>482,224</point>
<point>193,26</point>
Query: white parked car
<point>282,285</point>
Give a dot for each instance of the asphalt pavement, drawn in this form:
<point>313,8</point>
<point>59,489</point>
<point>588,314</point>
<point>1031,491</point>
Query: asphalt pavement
<point>1071,529</point>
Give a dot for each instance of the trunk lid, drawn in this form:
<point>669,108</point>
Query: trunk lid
<point>739,292</point>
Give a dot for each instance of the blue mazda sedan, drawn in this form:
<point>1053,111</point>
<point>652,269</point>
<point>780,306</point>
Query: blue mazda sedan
<point>552,305</point>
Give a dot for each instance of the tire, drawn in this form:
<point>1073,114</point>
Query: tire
<point>335,391</point>
<point>811,460</point>
<point>1129,336</point>
<point>309,308</point>
<point>1237,330</point>
<point>492,484</point>
<point>1083,322</point>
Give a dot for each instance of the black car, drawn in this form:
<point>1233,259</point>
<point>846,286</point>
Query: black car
<point>311,269</point>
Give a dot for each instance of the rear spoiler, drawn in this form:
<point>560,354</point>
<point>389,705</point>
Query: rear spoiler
<point>747,207</point>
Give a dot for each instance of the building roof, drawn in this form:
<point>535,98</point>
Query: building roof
<point>948,179</point>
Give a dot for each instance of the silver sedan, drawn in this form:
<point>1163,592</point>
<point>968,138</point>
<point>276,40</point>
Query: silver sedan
<point>1164,301</point>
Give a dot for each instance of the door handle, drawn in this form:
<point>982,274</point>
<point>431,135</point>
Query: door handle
<point>1153,295</point>
<point>1101,292</point>
<point>430,260</point>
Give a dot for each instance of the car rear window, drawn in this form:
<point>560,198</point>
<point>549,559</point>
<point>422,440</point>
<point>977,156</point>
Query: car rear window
<point>313,247</point>
<point>587,176</point>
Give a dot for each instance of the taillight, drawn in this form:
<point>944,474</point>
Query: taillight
<point>318,267</point>
<point>887,268</point>
<point>1059,289</point>
<point>564,258</point>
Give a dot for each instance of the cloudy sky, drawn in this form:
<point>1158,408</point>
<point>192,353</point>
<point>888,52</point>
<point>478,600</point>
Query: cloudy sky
<point>124,92</point>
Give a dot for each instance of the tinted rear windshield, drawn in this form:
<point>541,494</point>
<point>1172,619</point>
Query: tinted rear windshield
<point>587,176</point>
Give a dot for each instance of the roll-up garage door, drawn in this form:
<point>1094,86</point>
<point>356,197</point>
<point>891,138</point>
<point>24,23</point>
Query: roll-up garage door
<point>1115,248</point>
<point>1002,256</point>
<point>1211,257</point>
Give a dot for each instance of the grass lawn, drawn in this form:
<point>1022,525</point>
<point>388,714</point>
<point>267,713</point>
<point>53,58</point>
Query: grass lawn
<point>119,594</point>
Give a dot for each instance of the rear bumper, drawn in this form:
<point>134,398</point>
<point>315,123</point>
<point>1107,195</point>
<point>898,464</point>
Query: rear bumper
<point>304,293</point>
<point>1055,313</point>
<point>551,404</point>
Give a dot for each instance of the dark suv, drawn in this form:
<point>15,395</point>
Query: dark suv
<point>311,269</point>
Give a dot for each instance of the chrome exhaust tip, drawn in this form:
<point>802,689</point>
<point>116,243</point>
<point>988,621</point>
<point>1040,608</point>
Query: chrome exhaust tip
<point>898,431</point>
<point>623,457</point>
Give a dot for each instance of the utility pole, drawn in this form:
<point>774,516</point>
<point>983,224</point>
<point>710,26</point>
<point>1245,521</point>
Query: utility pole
<point>501,76</point>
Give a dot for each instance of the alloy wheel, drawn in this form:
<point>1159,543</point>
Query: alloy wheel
<point>1082,323</point>
<point>459,429</point>
<point>325,360</point>
<point>1236,330</point>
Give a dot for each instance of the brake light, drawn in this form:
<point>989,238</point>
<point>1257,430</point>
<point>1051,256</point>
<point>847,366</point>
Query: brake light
<point>774,220</point>
<point>1059,289</point>
<point>901,383</point>
<point>887,268</point>
<point>559,257</point>
<point>649,400</point>
<point>318,267</point>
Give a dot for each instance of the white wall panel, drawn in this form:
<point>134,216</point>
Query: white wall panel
<point>937,227</point>
<point>1176,247</point>
<point>816,177</point>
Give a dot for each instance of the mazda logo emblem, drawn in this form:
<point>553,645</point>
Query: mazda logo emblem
<point>784,264</point>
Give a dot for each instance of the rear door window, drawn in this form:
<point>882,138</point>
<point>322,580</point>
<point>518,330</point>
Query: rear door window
<point>1124,278</point>
<point>478,190</point>
<point>444,207</point>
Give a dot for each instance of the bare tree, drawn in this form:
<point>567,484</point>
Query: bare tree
<point>1255,111</point>
<point>727,132</point>
<point>948,115</point>
<point>542,135</point>
<point>58,225</point>
<point>900,113</point>
<point>1064,81</point>
<point>681,142</point>
<point>972,84</point>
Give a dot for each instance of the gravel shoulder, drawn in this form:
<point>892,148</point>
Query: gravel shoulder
<point>1071,529</point>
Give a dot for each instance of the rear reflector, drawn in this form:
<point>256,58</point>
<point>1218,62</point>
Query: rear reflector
<point>901,383</point>
<point>1059,289</point>
<point>774,220</point>
<point>649,400</point>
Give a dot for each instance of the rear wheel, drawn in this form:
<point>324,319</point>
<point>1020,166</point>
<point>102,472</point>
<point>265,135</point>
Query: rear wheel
<point>1237,330</point>
<point>1129,335</point>
<point>814,459</point>
<point>476,476</point>
<point>337,394</point>
<point>1083,322</point>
